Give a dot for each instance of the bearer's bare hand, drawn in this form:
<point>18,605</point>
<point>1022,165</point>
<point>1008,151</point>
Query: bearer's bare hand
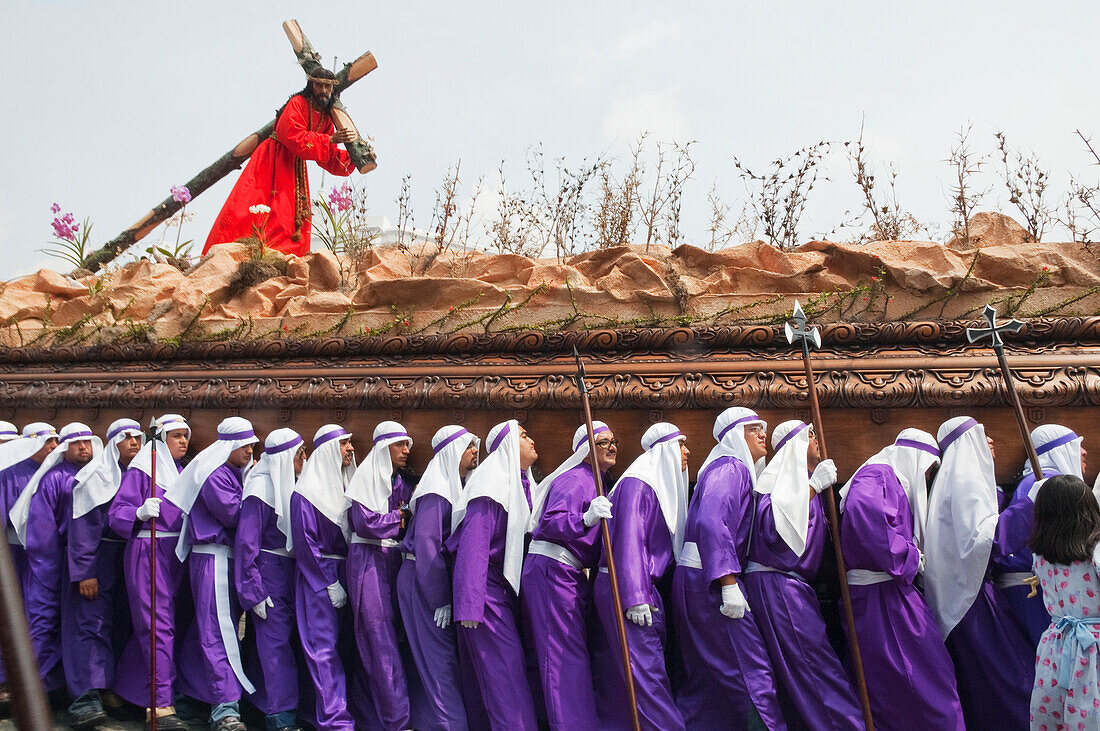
<point>89,588</point>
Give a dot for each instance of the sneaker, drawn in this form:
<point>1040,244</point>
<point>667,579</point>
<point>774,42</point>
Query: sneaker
<point>89,717</point>
<point>229,723</point>
<point>171,722</point>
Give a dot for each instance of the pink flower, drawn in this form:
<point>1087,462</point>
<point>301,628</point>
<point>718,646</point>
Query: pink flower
<point>339,199</point>
<point>180,194</point>
<point>55,208</point>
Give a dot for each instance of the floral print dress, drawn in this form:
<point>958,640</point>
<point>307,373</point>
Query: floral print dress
<point>1066,695</point>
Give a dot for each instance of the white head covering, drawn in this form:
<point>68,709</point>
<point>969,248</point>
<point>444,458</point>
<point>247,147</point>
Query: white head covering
<point>659,467</point>
<point>910,456</point>
<point>441,476</point>
<point>962,520</point>
<point>1059,451</point>
<point>580,454</point>
<point>786,478</point>
<point>372,484</point>
<point>272,478</point>
<point>97,482</point>
<point>34,438</point>
<point>233,433</point>
<point>8,431</point>
<point>499,479</point>
<point>324,478</point>
<point>167,471</point>
<point>73,432</point>
<point>729,432</point>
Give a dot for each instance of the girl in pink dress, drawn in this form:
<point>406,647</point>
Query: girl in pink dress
<point>1067,563</point>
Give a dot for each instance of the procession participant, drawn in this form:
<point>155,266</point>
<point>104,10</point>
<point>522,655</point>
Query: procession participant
<point>424,581</point>
<point>647,533</point>
<point>729,679</point>
<point>276,172</point>
<point>994,664</point>
<point>1060,452</point>
<point>786,547</point>
<point>95,595</point>
<point>488,530</point>
<point>910,678</point>
<point>378,498</point>
<point>208,492</point>
<point>557,593</point>
<point>264,574</point>
<point>41,518</point>
<point>319,535</point>
<point>137,503</point>
<point>8,432</point>
<point>20,458</point>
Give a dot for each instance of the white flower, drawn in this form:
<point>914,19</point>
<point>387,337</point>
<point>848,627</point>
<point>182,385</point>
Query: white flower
<point>259,208</point>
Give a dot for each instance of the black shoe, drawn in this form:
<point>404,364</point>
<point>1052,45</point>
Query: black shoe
<point>229,723</point>
<point>171,722</point>
<point>5,700</point>
<point>88,718</point>
<point>291,728</point>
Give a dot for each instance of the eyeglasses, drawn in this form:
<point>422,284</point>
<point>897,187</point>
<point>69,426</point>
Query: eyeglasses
<point>755,429</point>
<point>607,443</point>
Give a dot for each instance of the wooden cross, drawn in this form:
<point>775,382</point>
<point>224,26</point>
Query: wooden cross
<point>362,155</point>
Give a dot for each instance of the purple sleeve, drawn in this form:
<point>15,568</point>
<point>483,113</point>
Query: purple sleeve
<point>1014,526</point>
<point>628,534</point>
<point>431,562</point>
<point>221,496</point>
<point>246,551</point>
<point>472,559</point>
<point>369,524</point>
<point>875,530</point>
<point>562,518</point>
<point>46,527</point>
<point>122,515</point>
<point>85,534</point>
<point>724,517</point>
<point>306,531</point>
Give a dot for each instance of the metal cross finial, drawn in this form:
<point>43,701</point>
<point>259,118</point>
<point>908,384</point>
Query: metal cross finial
<point>993,332</point>
<point>800,330</point>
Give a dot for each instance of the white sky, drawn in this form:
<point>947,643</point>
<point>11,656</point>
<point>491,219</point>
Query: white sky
<point>109,104</point>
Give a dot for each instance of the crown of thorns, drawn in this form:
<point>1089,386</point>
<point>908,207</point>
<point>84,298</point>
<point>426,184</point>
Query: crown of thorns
<point>322,80</point>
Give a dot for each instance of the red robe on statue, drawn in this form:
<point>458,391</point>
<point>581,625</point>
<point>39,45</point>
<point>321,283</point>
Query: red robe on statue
<point>276,177</point>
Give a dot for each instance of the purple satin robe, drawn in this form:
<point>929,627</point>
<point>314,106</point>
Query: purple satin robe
<point>12,482</point>
<point>728,676</point>
<point>494,649</point>
<point>557,601</point>
<point>424,585</point>
<point>1013,556</point>
<point>96,629</point>
<point>261,574</point>
<point>319,551</point>
<point>372,591</point>
<point>51,511</point>
<point>789,617</point>
<point>205,669</point>
<point>910,678</point>
<point>133,672</point>
<point>643,558</point>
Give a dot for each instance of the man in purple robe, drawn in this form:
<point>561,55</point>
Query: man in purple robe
<point>994,661</point>
<point>557,592</point>
<point>208,492</point>
<point>95,593</point>
<point>647,533</point>
<point>786,548</point>
<point>424,581</point>
<point>8,433</point>
<point>1061,452</point>
<point>910,678</point>
<point>319,540</point>
<point>379,497</point>
<point>264,572</point>
<point>729,679</point>
<point>139,504</point>
<point>40,518</point>
<point>489,530</point>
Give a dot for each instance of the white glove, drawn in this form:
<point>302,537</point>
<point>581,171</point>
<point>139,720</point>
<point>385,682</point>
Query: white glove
<point>599,509</point>
<point>920,563</point>
<point>337,595</point>
<point>641,615</point>
<point>468,623</point>
<point>443,617</point>
<point>734,603</point>
<point>149,509</point>
<point>824,476</point>
<point>260,610</point>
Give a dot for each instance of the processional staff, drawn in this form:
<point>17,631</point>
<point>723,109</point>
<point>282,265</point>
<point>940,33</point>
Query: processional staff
<point>806,335</point>
<point>153,582</point>
<point>993,332</point>
<point>605,533</point>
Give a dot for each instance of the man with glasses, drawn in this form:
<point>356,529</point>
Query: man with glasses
<point>556,590</point>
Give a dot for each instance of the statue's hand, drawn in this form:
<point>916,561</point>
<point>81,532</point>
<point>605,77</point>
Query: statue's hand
<point>343,135</point>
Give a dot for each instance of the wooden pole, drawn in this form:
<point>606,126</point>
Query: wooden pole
<point>153,588</point>
<point>605,534</point>
<point>28,696</point>
<point>1014,397</point>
